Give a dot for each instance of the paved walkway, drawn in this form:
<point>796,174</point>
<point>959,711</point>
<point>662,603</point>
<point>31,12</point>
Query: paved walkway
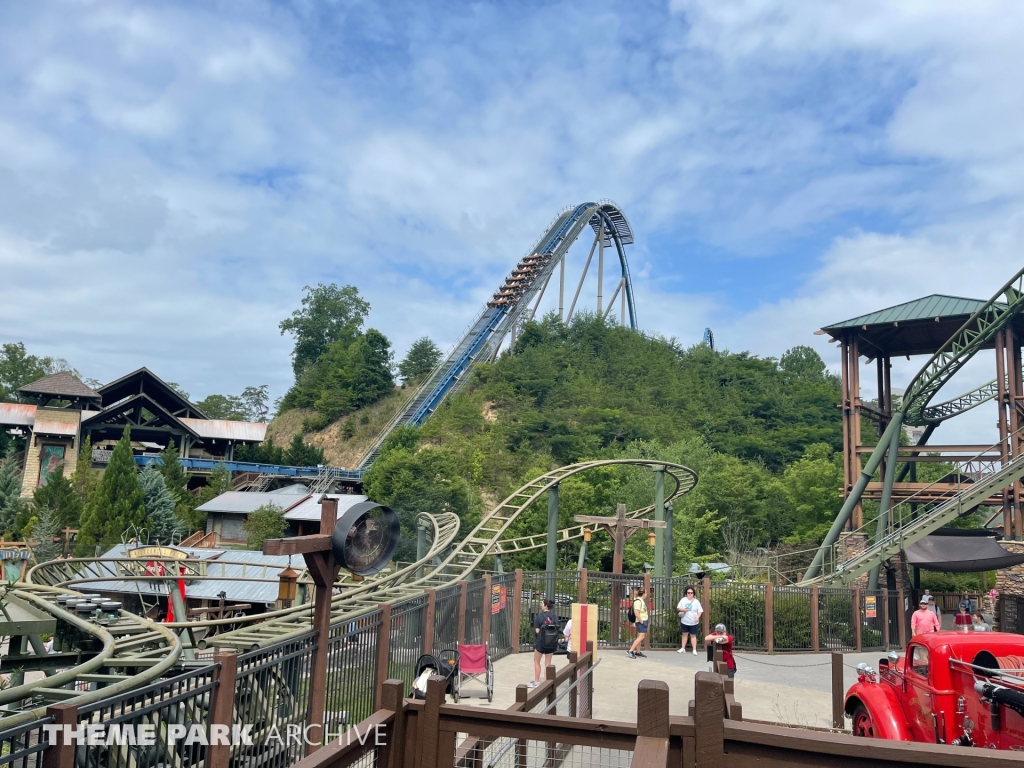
<point>795,689</point>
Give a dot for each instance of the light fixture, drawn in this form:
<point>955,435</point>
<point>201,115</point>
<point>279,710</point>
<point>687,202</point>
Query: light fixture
<point>651,538</point>
<point>586,534</point>
<point>287,586</point>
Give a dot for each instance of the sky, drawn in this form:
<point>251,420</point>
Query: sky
<point>173,174</point>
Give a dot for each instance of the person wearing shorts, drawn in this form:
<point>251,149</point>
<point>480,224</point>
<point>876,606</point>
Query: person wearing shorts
<point>640,609</point>
<point>689,610</point>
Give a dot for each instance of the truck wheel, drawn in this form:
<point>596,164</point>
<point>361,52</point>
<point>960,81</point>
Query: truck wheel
<point>863,725</point>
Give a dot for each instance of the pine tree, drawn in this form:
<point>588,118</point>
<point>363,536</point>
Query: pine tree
<point>422,357</point>
<point>58,496</point>
<point>118,503</point>
<point>85,479</point>
<point>300,454</point>
<point>10,490</point>
<point>46,528</point>
<point>175,477</point>
<point>160,503</point>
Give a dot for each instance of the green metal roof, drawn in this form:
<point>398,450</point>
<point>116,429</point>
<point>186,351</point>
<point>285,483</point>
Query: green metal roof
<point>934,307</point>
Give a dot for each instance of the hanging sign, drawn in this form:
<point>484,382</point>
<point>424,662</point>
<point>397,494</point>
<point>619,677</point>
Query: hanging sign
<point>499,598</point>
<point>158,553</point>
<point>870,607</point>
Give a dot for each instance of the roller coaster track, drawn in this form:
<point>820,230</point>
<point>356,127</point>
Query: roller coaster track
<point>895,532</point>
<point>483,541</point>
<point>510,304</point>
<point>131,652</point>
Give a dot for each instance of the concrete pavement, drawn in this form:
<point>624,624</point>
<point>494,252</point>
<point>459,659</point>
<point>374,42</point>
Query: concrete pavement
<point>791,689</point>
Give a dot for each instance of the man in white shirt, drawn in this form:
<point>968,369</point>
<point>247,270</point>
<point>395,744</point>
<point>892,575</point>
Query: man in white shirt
<point>690,610</point>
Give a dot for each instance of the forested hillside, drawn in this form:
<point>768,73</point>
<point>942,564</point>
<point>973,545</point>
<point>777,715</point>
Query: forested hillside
<point>761,433</point>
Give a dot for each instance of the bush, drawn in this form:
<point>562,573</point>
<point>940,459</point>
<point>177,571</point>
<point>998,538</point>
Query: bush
<point>264,523</point>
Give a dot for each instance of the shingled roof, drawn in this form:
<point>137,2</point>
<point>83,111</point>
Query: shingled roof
<point>62,385</point>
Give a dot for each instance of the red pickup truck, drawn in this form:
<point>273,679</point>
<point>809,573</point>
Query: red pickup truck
<point>965,689</point>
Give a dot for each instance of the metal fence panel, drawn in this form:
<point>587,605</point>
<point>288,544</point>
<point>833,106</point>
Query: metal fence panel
<point>872,636</point>
<point>791,618</point>
<point>181,700</point>
<point>500,641</point>
<point>20,746</point>
<point>665,630</point>
<point>474,629</point>
<point>351,671</point>
<point>406,635</point>
<point>446,617</point>
<point>835,619</point>
<point>740,607</point>
<point>272,691</point>
<point>611,593</point>
<point>563,587</point>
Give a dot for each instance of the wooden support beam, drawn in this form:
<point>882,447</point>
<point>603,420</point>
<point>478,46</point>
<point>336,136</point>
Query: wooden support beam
<point>62,753</point>
<point>838,691</point>
<point>709,719</point>
<point>222,707</point>
<point>393,700</point>
<point>297,546</point>
<point>383,653</point>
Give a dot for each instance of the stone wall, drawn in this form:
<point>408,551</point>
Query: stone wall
<point>852,544</point>
<point>30,478</point>
<point>1010,581</point>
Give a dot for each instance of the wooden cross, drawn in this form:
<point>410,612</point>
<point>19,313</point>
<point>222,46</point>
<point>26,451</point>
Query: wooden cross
<point>323,568</point>
<point>620,529</point>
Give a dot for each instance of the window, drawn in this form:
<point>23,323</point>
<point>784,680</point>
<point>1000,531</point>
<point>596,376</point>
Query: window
<point>919,660</point>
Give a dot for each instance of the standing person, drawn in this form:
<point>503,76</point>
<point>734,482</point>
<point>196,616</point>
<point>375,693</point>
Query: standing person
<point>545,627</point>
<point>639,609</point>
<point>722,639</point>
<point>690,611</point>
<point>923,620</point>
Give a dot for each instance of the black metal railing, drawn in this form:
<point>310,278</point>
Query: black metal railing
<point>741,608</point>
<point>272,693</point>
<point>22,745</point>
<point>502,592</point>
<point>162,713</point>
<point>836,620</point>
<point>474,623</point>
<point>406,638</point>
<point>791,618</point>
<point>446,618</point>
<point>351,671</point>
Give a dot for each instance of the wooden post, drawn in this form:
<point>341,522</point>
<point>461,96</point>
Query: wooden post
<point>428,724</point>
<point>390,754</point>
<point>573,658</point>
<point>705,595</point>
<point>901,613</point>
<point>815,622</point>
<point>650,611</point>
<point>517,610</point>
<point>590,682</point>
<point>61,753</point>
<point>884,609</point>
<point>428,621</point>
<point>857,622</point>
<point>838,692</point>
<point>709,720</point>
<point>583,587</point>
<point>769,617</point>
<point>485,620</point>
<point>383,654</point>
<point>652,736</point>
<point>222,707</point>
<point>460,630</point>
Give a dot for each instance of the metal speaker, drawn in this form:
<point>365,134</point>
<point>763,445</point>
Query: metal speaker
<point>365,538</point>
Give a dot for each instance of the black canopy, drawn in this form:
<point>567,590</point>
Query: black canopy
<point>960,554</point>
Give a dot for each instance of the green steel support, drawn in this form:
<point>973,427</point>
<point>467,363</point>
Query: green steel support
<point>659,515</point>
<point>552,560</point>
<point>497,564</point>
<point>668,540</point>
<point>582,561</point>
<point>814,570</point>
<point>883,507</point>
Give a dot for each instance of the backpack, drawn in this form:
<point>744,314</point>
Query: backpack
<point>547,638</point>
<point>631,614</point>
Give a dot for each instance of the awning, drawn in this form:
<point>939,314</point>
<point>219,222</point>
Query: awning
<point>961,554</point>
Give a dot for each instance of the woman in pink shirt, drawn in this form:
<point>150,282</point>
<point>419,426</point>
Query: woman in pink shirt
<point>923,620</point>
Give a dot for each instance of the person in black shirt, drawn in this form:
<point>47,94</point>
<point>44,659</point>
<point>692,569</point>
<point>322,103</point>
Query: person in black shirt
<point>544,646</point>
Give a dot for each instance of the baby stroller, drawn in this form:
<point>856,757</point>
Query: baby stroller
<point>444,663</point>
<point>474,662</point>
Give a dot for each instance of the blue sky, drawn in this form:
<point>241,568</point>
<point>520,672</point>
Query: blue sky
<point>172,174</point>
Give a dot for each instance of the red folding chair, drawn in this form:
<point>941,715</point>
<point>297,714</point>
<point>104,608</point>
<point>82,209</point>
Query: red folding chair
<point>474,662</point>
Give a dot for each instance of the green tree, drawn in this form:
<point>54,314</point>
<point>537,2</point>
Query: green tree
<point>175,477</point>
<point>18,368</point>
<point>44,530</point>
<point>117,506</point>
<point>217,483</point>
<point>803,362</point>
<point>263,523</point>
<point>422,357</point>
<point>328,314</point>
<point>85,478</point>
<point>301,454</point>
<point>59,497</point>
<point>223,407</point>
<point>263,453</point>
<point>10,490</point>
<point>256,402</point>
<point>160,505</point>
<point>813,484</point>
